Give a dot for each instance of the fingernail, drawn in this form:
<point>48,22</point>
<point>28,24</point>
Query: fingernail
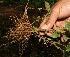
<point>44,26</point>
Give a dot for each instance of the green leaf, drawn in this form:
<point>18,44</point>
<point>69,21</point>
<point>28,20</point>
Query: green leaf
<point>68,47</point>
<point>68,26</point>
<point>47,6</point>
<point>65,37</point>
<point>55,35</point>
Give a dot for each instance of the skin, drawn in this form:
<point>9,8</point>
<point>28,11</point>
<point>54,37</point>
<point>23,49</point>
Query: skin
<point>59,13</point>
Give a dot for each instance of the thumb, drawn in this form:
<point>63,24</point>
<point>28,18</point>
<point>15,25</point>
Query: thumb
<point>49,24</point>
<point>51,21</point>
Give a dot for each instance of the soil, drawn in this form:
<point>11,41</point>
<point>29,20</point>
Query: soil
<point>9,13</point>
<point>8,10</point>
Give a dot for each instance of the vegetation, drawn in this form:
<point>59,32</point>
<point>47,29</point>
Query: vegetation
<point>19,33</point>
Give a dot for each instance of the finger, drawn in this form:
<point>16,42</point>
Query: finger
<point>61,22</point>
<point>52,19</point>
<point>63,40</point>
<point>49,24</point>
<point>49,33</point>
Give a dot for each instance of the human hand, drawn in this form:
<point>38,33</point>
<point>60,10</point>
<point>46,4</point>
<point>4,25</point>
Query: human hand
<point>59,13</point>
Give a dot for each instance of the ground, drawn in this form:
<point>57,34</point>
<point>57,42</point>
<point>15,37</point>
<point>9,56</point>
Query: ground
<point>13,24</point>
